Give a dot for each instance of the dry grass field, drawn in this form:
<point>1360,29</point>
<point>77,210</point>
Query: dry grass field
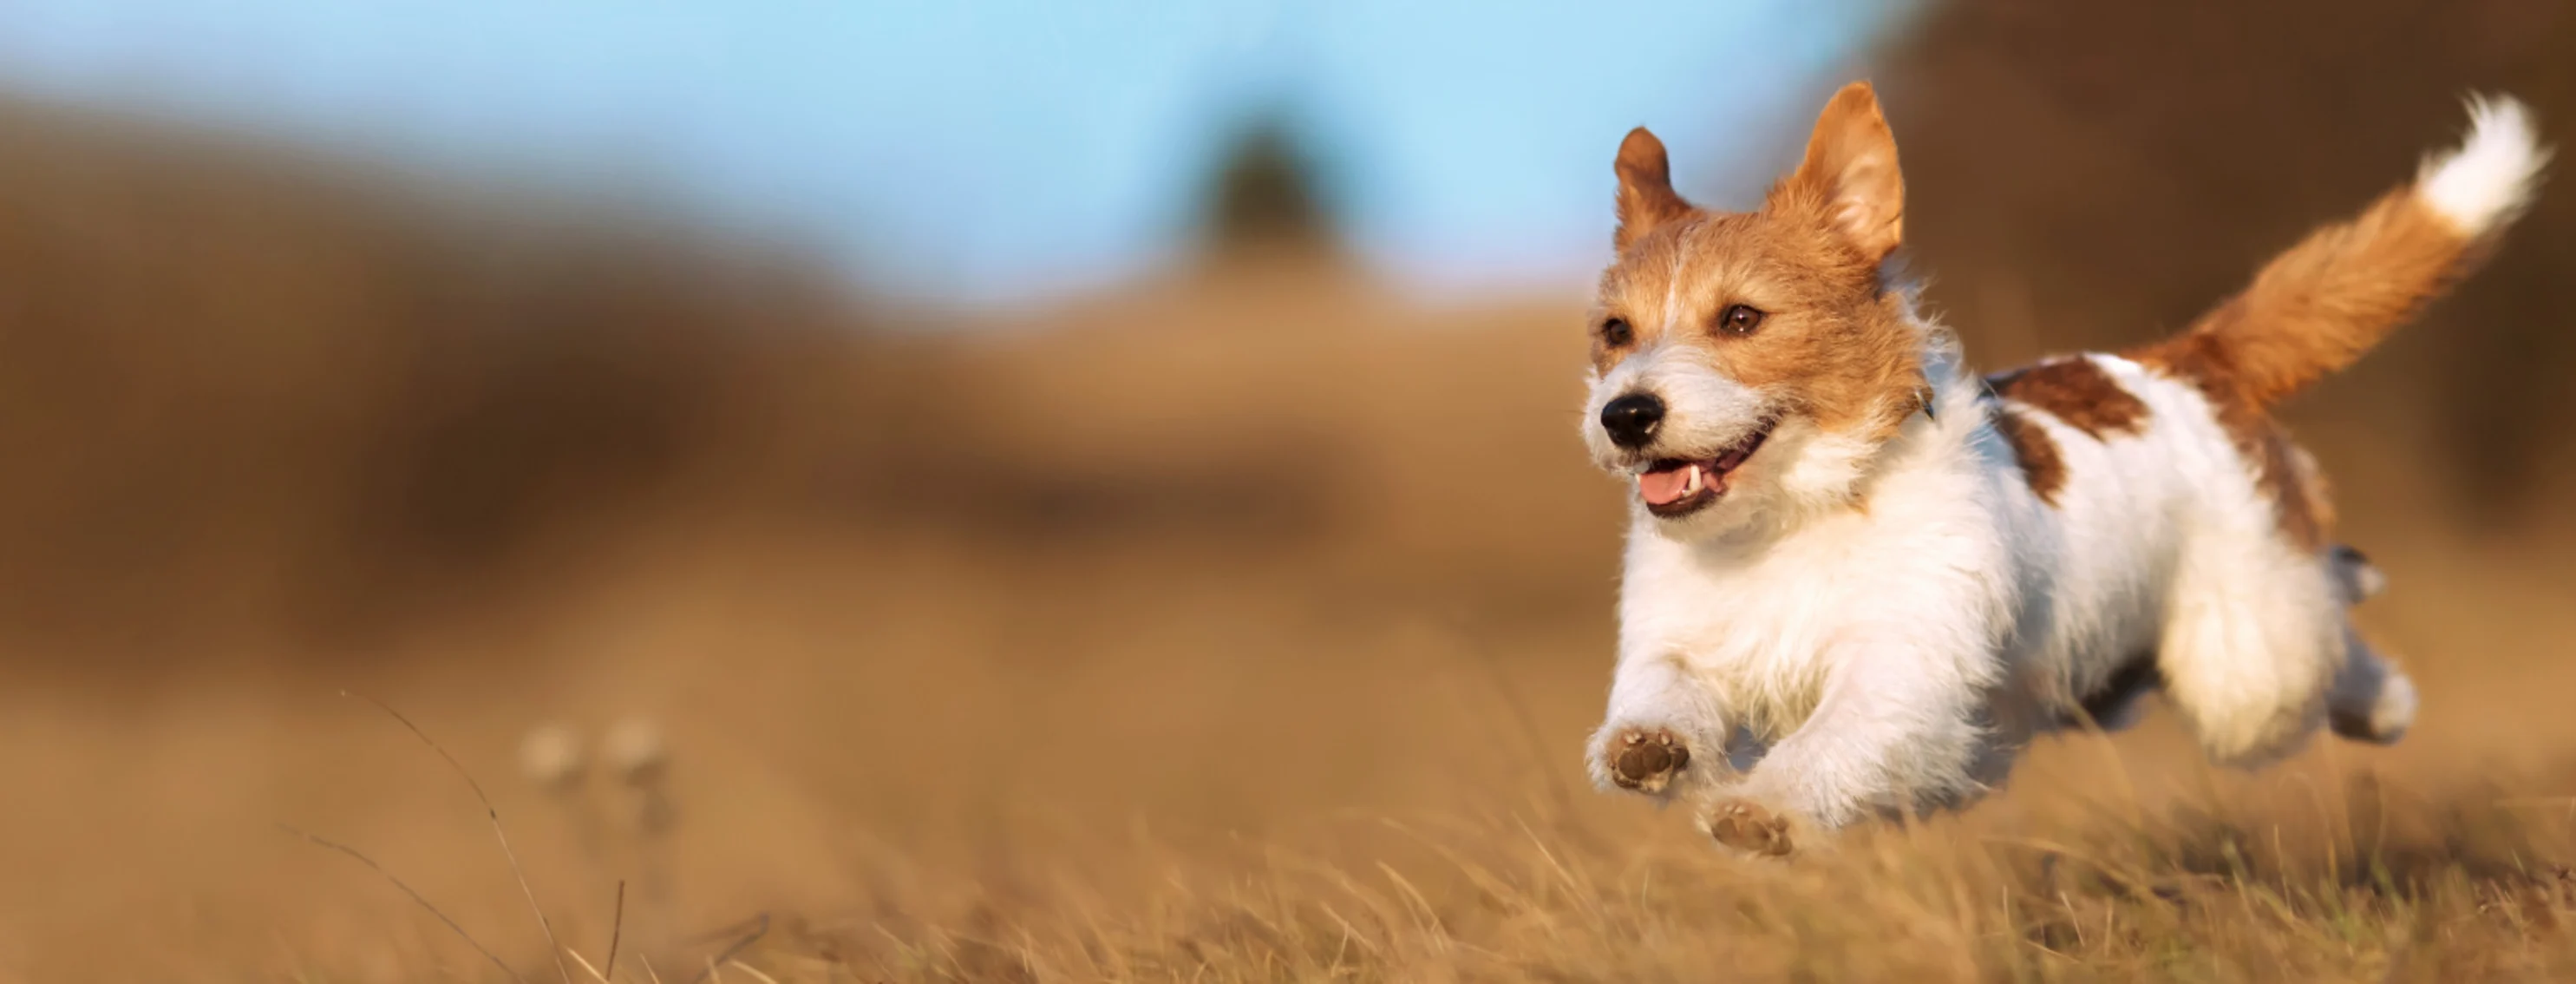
<point>1240,625</point>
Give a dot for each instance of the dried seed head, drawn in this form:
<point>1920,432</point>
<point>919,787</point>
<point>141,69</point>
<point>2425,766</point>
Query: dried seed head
<point>635,750</point>
<point>551,758</point>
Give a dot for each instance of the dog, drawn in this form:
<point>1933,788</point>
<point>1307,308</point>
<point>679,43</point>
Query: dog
<point>1858,580</point>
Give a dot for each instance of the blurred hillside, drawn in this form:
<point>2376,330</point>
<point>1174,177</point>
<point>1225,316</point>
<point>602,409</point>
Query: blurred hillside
<point>2095,174</point>
<point>248,390</point>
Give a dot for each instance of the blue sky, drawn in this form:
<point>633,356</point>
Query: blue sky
<point>1004,150</point>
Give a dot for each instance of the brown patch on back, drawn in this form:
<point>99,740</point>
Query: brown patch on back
<point>2077,391</point>
<point>2281,470</point>
<point>2035,451</point>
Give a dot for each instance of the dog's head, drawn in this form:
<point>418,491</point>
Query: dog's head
<point>1750,366</point>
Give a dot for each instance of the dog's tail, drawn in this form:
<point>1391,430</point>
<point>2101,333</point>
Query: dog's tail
<point>2317,307</point>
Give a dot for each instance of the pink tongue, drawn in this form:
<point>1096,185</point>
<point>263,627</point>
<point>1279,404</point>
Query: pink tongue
<point>1664,487</point>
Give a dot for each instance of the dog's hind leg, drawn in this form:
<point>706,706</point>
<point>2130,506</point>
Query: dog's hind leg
<point>2356,579</point>
<point>2253,638</point>
<point>2372,700</point>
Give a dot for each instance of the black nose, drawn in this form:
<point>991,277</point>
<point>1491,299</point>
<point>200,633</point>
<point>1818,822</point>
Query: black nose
<point>1631,419</point>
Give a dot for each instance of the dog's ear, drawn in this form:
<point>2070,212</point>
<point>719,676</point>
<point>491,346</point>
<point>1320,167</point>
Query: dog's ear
<point>1646,197</point>
<point>1851,169</point>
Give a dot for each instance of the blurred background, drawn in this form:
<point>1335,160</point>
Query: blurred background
<point>970,439</point>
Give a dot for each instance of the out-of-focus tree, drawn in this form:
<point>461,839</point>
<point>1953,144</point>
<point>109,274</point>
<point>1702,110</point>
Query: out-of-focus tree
<point>1266,193</point>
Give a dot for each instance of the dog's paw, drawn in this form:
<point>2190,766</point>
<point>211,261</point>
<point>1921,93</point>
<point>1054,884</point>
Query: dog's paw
<point>1644,760</point>
<point>1748,826</point>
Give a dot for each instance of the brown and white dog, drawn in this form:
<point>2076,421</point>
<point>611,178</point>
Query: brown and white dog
<point>1859,579</point>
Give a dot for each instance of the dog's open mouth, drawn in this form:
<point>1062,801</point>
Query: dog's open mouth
<point>1675,487</point>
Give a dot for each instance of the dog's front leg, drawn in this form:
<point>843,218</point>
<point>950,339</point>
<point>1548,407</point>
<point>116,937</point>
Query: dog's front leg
<point>1664,731</point>
<point>1896,727</point>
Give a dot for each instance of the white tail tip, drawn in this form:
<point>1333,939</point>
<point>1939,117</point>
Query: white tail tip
<point>2488,180</point>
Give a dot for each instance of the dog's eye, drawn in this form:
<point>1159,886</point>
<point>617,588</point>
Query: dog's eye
<point>1614,332</point>
<point>1738,319</point>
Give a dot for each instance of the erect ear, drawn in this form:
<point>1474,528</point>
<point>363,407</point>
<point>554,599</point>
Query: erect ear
<point>1851,168</point>
<point>1646,197</point>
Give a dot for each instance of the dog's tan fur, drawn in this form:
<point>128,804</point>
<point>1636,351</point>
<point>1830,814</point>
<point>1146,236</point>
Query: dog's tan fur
<point>1832,338</point>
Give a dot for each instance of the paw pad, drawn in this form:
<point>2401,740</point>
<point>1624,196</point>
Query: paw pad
<point>1645,760</point>
<point>1748,827</point>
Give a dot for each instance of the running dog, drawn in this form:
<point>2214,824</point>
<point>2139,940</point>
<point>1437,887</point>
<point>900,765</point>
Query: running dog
<point>1858,579</point>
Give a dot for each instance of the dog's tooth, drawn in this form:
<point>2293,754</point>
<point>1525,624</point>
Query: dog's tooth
<point>1690,482</point>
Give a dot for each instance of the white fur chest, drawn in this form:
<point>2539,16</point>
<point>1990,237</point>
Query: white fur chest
<point>1763,623</point>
